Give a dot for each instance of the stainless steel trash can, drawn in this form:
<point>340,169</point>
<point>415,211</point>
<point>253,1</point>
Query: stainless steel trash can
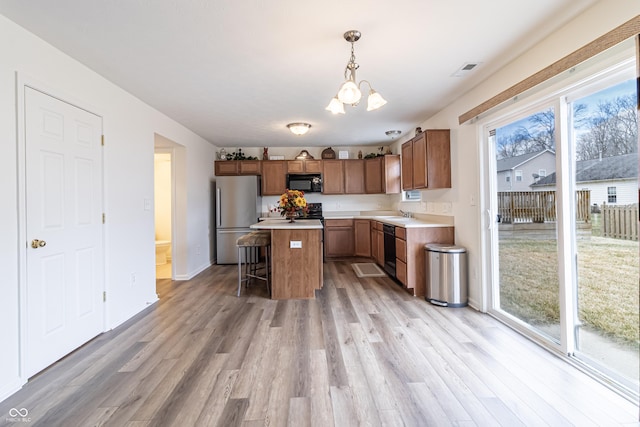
<point>446,275</point>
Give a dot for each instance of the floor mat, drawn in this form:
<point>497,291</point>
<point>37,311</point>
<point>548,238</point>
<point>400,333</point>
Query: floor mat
<point>368,269</point>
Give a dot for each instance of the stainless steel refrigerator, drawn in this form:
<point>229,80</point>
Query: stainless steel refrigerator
<point>238,205</point>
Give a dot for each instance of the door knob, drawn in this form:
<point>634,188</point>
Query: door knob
<point>35,243</point>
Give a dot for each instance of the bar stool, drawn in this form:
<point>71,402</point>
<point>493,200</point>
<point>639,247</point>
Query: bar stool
<point>250,244</point>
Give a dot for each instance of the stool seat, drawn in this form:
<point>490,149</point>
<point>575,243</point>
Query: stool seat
<point>251,243</point>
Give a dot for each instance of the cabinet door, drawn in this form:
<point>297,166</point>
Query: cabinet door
<point>438,156</point>
<point>401,271</point>
<point>273,177</point>
<point>407,165</point>
<point>313,166</point>
<point>226,167</point>
<point>420,166</point>
<point>295,166</point>
<point>332,177</point>
<point>338,238</point>
<point>380,245</point>
<point>373,182</point>
<point>354,176</point>
<point>401,250</point>
<point>249,167</point>
<point>391,174</point>
<point>374,242</point>
<point>362,231</point>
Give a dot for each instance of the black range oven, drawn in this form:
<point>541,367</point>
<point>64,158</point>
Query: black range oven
<point>389,232</point>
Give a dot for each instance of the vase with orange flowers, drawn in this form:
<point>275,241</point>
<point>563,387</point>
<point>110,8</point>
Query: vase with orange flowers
<point>292,204</point>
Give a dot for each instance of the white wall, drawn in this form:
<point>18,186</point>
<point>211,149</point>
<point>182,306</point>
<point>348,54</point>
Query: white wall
<point>465,139</point>
<point>129,129</point>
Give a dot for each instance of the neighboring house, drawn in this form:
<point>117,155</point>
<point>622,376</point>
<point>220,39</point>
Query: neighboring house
<point>519,172</point>
<point>612,180</point>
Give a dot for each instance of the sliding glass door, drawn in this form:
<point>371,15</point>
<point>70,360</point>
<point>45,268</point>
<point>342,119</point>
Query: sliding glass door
<point>562,177</point>
<point>605,145</point>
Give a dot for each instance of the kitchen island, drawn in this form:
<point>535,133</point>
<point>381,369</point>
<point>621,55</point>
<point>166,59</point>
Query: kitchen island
<point>296,257</point>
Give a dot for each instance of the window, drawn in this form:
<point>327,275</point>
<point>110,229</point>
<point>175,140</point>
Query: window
<point>518,176</point>
<point>507,178</point>
<point>611,195</point>
<point>542,173</point>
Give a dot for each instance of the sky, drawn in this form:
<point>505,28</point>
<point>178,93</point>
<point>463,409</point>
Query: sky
<point>591,101</point>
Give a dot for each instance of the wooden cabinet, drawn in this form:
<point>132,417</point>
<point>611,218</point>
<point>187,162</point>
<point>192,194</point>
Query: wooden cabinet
<point>362,232</point>
<point>274,177</point>
<point>354,176</point>
<point>338,238</point>
<point>428,157</point>
<point>237,167</point>
<point>304,166</point>
<point>377,243</point>
<point>401,255</point>
<point>410,254</point>
<point>332,177</point>
<point>382,175</point>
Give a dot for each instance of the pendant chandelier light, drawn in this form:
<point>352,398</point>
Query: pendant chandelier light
<point>349,92</point>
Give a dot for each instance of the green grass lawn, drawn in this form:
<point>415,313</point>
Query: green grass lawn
<point>608,294</point>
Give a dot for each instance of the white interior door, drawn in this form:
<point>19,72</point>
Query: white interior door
<point>65,281</point>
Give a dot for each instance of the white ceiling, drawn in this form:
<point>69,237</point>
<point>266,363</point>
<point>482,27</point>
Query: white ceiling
<point>236,72</point>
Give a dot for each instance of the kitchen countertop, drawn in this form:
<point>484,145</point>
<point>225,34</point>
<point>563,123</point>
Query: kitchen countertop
<point>279,224</point>
<point>397,220</point>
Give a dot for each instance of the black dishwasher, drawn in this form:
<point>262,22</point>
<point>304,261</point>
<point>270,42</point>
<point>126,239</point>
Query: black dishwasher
<point>389,249</point>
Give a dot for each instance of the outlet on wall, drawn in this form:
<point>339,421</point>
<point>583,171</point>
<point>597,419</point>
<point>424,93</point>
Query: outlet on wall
<point>134,278</point>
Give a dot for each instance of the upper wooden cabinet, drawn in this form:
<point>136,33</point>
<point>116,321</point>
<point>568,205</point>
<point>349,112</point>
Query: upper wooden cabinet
<point>274,174</point>
<point>304,166</point>
<point>237,167</point>
<point>354,176</point>
<point>428,157</point>
<point>332,177</point>
<point>382,175</point>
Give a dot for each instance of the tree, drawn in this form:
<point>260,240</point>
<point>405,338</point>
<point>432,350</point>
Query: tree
<point>611,131</point>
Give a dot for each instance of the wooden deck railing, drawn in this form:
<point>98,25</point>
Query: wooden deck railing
<point>538,206</point>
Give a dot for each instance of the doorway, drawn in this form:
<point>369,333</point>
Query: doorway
<point>163,213</point>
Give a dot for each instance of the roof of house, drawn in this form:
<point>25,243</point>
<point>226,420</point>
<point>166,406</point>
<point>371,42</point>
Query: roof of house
<point>606,169</point>
<point>509,163</point>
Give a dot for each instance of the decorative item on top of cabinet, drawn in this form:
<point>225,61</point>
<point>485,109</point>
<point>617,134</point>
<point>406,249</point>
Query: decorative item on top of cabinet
<point>328,153</point>
<point>426,160</point>
<point>304,155</point>
<point>265,153</point>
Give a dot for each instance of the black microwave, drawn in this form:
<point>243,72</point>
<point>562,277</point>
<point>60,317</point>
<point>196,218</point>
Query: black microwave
<point>309,183</point>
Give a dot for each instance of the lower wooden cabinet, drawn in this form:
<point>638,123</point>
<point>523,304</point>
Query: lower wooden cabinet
<point>362,232</point>
<point>410,254</point>
<point>377,242</point>
<point>338,238</point>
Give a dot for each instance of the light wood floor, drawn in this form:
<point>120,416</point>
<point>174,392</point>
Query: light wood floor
<point>362,353</point>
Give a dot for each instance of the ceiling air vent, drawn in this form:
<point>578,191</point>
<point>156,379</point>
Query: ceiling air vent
<point>466,67</point>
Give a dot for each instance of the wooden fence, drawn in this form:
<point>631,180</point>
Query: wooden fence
<point>620,222</point>
<point>538,206</point>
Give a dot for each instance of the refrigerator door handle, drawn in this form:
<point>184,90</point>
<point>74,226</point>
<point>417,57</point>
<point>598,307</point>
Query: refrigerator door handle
<point>218,210</point>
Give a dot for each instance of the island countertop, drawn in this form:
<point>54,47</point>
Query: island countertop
<point>279,224</point>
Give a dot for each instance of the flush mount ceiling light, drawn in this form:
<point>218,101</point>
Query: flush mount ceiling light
<point>349,91</point>
<point>393,133</point>
<point>299,128</point>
